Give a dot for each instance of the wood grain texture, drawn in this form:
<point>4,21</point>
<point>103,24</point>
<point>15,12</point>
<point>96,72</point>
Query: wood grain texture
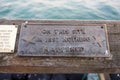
<point>11,63</point>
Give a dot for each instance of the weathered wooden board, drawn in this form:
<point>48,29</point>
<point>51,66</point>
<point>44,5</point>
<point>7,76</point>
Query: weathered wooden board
<point>63,40</point>
<point>13,63</point>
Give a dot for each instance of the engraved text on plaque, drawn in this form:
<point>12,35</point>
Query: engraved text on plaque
<point>63,40</point>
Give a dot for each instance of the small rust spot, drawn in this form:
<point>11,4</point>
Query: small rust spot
<point>12,51</point>
<point>101,26</point>
<point>25,26</point>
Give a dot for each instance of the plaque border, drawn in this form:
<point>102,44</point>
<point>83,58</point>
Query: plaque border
<point>108,56</point>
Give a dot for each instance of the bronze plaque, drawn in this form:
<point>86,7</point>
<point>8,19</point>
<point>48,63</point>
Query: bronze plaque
<point>63,40</point>
<point>7,38</point>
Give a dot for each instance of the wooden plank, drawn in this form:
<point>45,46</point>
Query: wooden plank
<point>101,76</point>
<point>13,63</point>
<point>107,76</point>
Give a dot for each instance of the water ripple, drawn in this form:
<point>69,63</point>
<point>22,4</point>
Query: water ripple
<point>60,9</point>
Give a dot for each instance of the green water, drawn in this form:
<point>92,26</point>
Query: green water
<point>60,9</point>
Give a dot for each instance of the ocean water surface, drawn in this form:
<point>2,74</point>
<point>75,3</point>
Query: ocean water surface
<point>60,9</point>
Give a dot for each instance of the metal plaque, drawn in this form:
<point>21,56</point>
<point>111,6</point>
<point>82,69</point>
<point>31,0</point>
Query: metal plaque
<point>63,40</point>
<point>7,38</point>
